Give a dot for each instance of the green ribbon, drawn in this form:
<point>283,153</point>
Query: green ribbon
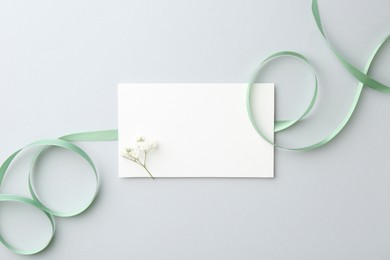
<point>65,142</point>
<point>361,76</point>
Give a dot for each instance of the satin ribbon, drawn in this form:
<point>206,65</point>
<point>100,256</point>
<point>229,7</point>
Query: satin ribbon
<point>361,76</point>
<point>65,142</point>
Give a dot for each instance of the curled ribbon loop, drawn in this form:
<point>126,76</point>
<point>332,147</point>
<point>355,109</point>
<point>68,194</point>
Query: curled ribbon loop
<point>62,142</point>
<point>30,202</point>
<point>361,76</point>
<point>70,147</point>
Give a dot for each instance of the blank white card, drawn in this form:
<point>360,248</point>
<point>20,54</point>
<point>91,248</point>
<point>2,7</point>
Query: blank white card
<point>202,130</point>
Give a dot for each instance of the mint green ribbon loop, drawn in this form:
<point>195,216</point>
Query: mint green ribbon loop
<point>62,142</point>
<point>361,76</point>
<point>280,125</point>
<point>71,147</point>
<point>284,124</point>
<point>30,202</point>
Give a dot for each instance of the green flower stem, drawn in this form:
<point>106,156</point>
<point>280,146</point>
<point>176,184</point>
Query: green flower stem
<point>145,153</point>
<point>146,169</point>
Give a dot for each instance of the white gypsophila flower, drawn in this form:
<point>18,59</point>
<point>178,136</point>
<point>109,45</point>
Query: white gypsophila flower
<point>153,145</point>
<point>125,152</point>
<point>134,154</point>
<point>141,150</point>
<point>143,146</point>
<point>150,146</point>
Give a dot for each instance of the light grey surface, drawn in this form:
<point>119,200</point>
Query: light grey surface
<point>60,63</point>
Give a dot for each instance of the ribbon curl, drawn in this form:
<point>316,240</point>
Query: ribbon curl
<point>65,143</point>
<point>361,76</point>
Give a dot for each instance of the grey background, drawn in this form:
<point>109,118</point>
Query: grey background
<point>60,62</point>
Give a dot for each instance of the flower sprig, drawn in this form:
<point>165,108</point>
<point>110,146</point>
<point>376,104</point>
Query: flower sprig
<point>138,154</point>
